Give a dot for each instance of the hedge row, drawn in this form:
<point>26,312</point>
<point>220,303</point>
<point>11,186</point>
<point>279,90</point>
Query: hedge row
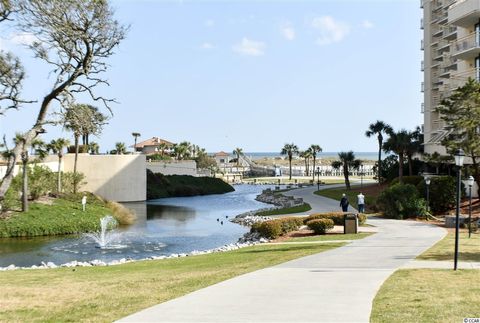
<point>273,229</point>
<point>336,217</point>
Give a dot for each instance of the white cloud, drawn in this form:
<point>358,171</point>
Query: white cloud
<point>367,24</point>
<point>250,47</point>
<point>209,23</point>
<point>207,45</point>
<point>331,30</point>
<point>23,39</point>
<point>288,32</point>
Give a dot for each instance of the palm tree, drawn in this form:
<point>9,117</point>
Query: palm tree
<point>162,146</point>
<point>57,146</point>
<point>314,149</point>
<point>135,135</point>
<point>238,151</point>
<point>379,128</point>
<point>290,150</point>
<point>348,162</point>
<point>416,141</point>
<point>306,154</point>
<point>398,143</point>
<point>120,148</point>
<point>94,148</point>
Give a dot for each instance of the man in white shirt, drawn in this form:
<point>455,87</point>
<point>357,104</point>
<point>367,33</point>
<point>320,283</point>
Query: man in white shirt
<point>361,203</point>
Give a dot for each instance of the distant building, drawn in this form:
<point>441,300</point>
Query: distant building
<point>151,146</point>
<point>222,158</point>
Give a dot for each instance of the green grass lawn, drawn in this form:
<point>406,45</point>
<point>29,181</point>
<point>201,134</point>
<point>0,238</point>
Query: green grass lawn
<point>64,216</point>
<point>104,294</point>
<point>428,295</point>
<point>336,194</point>
<point>468,249</point>
<point>288,210</point>
<point>330,237</point>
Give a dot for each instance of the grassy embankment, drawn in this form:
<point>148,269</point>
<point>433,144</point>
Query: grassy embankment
<point>159,186</point>
<point>62,215</point>
<point>288,210</point>
<point>433,295</point>
<point>370,191</point>
<point>330,237</point>
<point>104,294</point>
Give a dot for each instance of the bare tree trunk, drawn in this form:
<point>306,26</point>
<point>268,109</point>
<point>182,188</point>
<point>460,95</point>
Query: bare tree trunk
<point>25,183</point>
<point>313,170</point>
<point>410,166</point>
<point>59,175</point>
<point>379,166</point>
<point>347,179</point>
<point>75,165</point>
<point>290,167</point>
<point>476,173</point>
<point>400,168</point>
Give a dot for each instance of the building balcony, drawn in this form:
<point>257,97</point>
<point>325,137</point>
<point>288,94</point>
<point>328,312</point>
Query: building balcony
<point>467,47</point>
<point>464,13</point>
<point>459,78</point>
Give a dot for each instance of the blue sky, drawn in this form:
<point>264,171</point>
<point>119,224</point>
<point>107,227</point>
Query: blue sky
<point>253,74</point>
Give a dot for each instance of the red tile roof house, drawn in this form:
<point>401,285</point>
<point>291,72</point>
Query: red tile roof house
<point>222,157</point>
<point>150,146</point>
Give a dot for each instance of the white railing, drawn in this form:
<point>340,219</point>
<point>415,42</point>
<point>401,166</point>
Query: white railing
<point>466,43</point>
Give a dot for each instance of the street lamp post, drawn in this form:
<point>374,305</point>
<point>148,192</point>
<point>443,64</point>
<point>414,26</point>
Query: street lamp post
<point>427,184</point>
<point>459,156</point>
<point>318,178</point>
<point>470,184</point>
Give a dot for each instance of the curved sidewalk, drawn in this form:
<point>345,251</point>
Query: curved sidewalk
<point>333,286</point>
<point>318,203</point>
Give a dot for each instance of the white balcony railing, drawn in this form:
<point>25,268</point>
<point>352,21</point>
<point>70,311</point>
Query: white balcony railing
<point>466,44</point>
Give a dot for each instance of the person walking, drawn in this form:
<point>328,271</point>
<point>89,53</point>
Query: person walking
<point>344,203</point>
<point>361,203</point>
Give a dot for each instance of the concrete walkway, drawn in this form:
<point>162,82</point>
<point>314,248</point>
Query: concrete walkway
<point>334,286</point>
<point>319,203</point>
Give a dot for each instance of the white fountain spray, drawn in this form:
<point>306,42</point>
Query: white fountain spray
<point>104,237</point>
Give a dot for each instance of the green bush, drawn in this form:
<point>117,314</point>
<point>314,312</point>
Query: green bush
<point>401,201</point>
<point>271,229</point>
<point>336,217</point>
<point>414,180</point>
<point>442,192</point>
<point>362,218</point>
<point>320,226</point>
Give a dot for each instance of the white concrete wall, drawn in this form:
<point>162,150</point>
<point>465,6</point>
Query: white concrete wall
<point>119,178</point>
<point>173,167</point>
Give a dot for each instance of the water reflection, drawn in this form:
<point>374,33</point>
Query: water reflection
<point>163,227</point>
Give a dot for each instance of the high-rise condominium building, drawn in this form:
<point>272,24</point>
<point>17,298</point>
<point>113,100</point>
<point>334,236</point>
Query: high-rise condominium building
<point>451,46</point>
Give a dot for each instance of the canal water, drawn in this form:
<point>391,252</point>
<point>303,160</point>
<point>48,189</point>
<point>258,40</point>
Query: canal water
<point>163,227</point>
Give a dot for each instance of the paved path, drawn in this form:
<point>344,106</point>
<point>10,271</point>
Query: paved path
<point>334,286</point>
<point>319,203</point>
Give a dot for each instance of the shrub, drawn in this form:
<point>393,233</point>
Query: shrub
<point>122,214</point>
<point>271,229</point>
<point>68,180</point>
<point>336,217</point>
<point>362,218</point>
<point>442,193</point>
<point>320,226</point>
<point>414,180</point>
<point>82,149</point>
<point>401,201</point>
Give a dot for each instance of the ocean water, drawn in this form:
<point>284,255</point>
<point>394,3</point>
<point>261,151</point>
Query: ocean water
<point>326,154</point>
